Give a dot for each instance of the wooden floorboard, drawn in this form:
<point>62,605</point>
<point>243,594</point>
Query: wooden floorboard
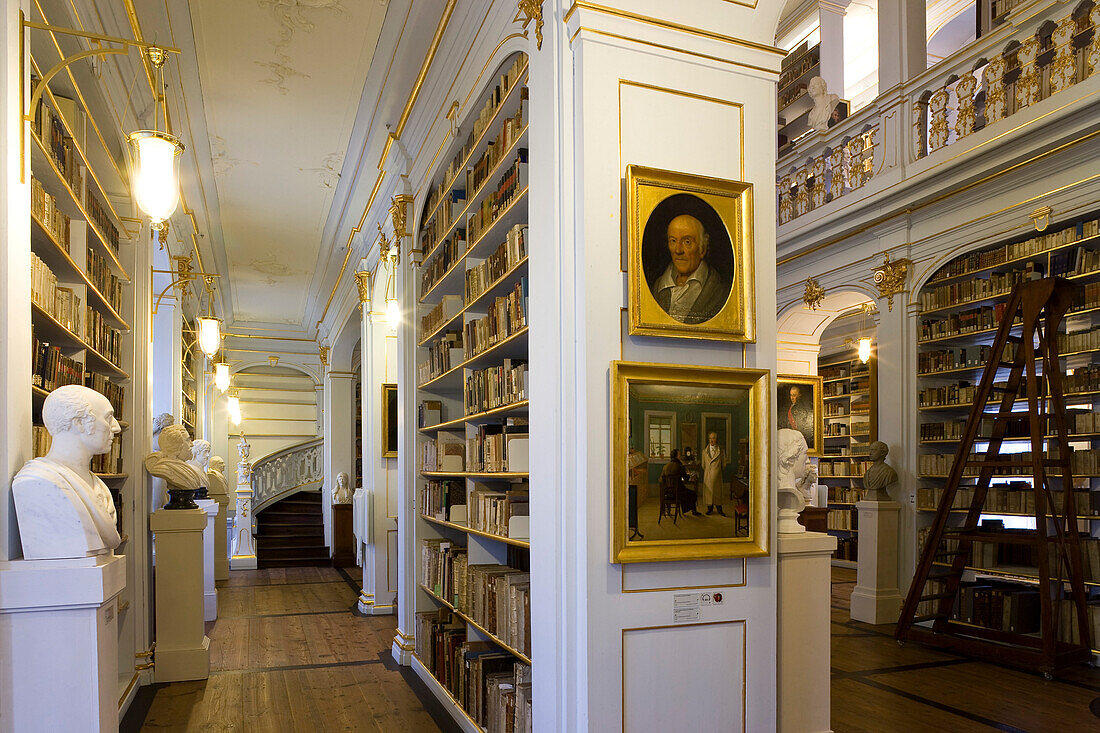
<point>879,686</point>
<point>289,653</point>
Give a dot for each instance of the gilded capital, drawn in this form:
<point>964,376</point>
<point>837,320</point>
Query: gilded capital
<point>813,294</point>
<point>362,284</point>
<point>890,278</point>
<point>527,11</point>
<point>322,353</point>
<point>398,212</point>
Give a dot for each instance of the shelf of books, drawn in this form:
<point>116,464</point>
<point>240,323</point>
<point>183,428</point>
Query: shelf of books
<point>82,315</point>
<point>850,400</point>
<point>188,383</point>
<point>961,308</point>
<point>473,635</point>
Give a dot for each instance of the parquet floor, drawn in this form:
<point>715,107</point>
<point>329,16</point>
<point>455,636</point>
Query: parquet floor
<point>289,653</point>
<point>880,687</point>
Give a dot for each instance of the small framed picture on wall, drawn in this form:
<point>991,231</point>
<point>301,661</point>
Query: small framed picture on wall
<point>389,421</point>
<point>799,406</point>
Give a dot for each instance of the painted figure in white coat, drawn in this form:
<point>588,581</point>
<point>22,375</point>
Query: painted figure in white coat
<point>714,462</point>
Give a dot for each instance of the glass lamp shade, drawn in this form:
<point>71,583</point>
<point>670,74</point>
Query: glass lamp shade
<point>393,313</point>
<point>865,349</point>
<point>210,335</point>
<point>235,410</point>
<point>156,158</point>
<point>221,376</point>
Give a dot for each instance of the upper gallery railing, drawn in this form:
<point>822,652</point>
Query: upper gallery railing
<point>1042,49</point>
<point>295,468</point>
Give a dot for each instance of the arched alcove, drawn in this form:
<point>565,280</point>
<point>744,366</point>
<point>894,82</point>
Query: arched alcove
<point>799,329</point>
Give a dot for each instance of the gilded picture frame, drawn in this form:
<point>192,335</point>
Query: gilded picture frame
<point>788,413</point>
<point>697,231</point>
<point>637,496</point>
<point>389,421</point>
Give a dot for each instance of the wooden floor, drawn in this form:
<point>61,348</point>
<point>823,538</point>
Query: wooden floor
<point>879,686</point>
<point>289,653</point>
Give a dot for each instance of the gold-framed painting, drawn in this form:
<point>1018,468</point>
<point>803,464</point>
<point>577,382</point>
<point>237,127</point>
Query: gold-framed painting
<point>799,406</point>
<point>713,505</point>
<point>389,421</point>
<point>690,256</point>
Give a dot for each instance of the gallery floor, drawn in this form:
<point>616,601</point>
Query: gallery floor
<point>879,686</point>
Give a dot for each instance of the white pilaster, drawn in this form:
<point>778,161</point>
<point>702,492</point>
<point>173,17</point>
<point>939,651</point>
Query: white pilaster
<point>379,474</point>
<point>902,43</point>
<point>831,15</point>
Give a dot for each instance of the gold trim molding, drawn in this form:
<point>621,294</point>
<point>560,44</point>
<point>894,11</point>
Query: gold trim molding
<point>890,278</point>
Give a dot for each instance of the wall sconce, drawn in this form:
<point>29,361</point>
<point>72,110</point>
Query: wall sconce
<point>210,334</point>
<point>156,159</point>
<point>221,376</point>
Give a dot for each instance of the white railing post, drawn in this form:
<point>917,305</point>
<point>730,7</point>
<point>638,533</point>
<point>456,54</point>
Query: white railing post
<point>244,545</point>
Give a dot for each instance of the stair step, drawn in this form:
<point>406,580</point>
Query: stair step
<point>287,518</point>
<point>277,543</point>
<point>313,552</point>
<point>263,563</point>
<point>289,530</point>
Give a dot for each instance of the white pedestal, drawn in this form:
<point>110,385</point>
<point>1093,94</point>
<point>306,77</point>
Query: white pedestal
<point>876,598</point>
<point>221,538</point>
<point>59,632</point>
<point>209,589</point>
<point>183,650</point>
<point>244,546</point>
<point>805,592</point>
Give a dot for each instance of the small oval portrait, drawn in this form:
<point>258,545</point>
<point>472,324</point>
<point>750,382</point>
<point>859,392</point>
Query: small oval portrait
<point>687,258</point>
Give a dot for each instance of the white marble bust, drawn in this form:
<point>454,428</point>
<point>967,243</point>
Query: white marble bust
<point>171,461</point>
<point>824,103</point>
<point>796,479</point>
<point>64,510</point>
<point>342,493</point>
<point>215,476</point>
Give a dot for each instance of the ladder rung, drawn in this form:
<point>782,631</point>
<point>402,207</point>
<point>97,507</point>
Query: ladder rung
<point>1008,415</point>
<point>937,596</point>
<point>1001,537</point>
<point>953,552</point>
<point>932,617</point>
<point>1017,464</point>
<point>1012,339</point>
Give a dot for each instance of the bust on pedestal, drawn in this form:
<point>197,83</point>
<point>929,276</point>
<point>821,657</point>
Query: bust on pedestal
<point>876,598</point>
<point>170,463</point>
<point>200,459</point>
<point>62,595</point>
<point>159,491</point>
<point>343,530</point>
<point>796,479</point>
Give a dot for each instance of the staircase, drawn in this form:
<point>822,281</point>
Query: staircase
<point>291,533</point>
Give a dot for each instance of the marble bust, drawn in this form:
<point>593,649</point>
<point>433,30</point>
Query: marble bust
<point>824,103</point>
<point>342,493</point>
<point>171,464</point>
<point>796,479</point>
<point>880,475</point>
<point>215,476</point>
<point>200,459</point>
<point>158,485</point>
<point>63,509</point>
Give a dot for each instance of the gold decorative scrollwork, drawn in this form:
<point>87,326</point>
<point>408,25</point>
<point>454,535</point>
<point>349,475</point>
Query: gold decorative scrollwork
<point>1041,218</point>
<point>813,294</point>
<point>890,278</point>
<point>398,212</point>
<point>529,10</point>
<point>362,284</point>
<point>322,354</point>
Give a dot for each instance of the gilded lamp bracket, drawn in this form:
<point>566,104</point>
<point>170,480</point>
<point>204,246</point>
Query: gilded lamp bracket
<point>184,276</point>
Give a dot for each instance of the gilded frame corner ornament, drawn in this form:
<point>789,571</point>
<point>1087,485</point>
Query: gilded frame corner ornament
<point>528,10</point>
<point>757,382</point>
<point>729,204</point>
<point>813,295</point>
<point>890,278</point>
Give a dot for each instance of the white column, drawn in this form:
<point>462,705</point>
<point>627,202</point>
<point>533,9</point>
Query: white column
<point>876,598</point>
<point>183,649</point>
<point>339,437</point>
<point>244,544</point>
<point>323,428</point>
<point>379,474</point>
<point>831,14</point>
<point>804,638</point>
<point>59,623</point>
<point>209,591</point>
<point>902,43</point>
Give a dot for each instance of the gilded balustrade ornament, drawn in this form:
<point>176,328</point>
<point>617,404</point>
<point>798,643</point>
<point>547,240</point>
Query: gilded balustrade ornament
<point>855,162</point>
<point>786,206</point>
<point>1029,85</point>
<point>836,172</point>
<point>813,294</point>
<point>1063,70</point>
<point>818,172</point>
<point>937,109</point>
<point>1094,45</point>
<point>920,128</point>
<point>362,284</point>
<point>802,198</point>
<point>890,278</point>
<point>869,153</point>
<point>995,97</point>
<point>529,10</point>
<point>964,93</point>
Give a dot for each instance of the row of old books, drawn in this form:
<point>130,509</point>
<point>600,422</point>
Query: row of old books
<point>109,462</point>
<point>1086,297</point>
<point>492,686</point>
<point>446,309</point>
<point>454,203</point>
<point>60,302</point>
<point>835,430</point>
<point>437,498</point>
<point>429,413</point>
<point>1079,341</point>
<point>984,318</point>
<point>506,316</point>
<point>842,468</point>
<point>44,209</point>
<point>845,494</point>
<point>837,371</point>
<point>511,252</point>
<point>847,548</point>
<point>836,409</point>
<point>952,394</point>
<point>491,511</point>
<point>59,145</point>
<point>1013,498</point>
<point>961,357</point>
<point>445,454</point>
<point>104,338</point>
<point>497,386</point>
<point>510,130</point>
<point>1067,628</point>
<point>109,286</point>
<point>98,214</point>
<point>1074,261</point>
<point>115,393</point>
<point>496,447</point>
<point>508,80</point>
<point>981,260</point>
<point>444,353</point>
<point>446,256</point>
<point>510,185</point>
<point>998,283</point>
<point>50,368</point>
<point>1078,422</point>
<point>842,519</point>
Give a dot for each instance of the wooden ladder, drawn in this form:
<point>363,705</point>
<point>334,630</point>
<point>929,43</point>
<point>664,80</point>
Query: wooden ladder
<point>1039,307</point>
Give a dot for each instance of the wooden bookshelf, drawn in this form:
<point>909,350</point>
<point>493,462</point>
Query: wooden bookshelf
<point>473,233</point>
<point>850,401</point>
<point>962,325</point>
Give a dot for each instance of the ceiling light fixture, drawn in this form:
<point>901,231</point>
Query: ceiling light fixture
<point>221,376</point>
<point>235,409</point>
<point>210,334</point>
<point>156,158</point>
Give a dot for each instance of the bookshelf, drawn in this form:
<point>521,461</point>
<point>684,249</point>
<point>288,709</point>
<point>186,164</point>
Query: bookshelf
<point>793,101</point>
<point>961,307</point>
<point>188,383</point>
<point>850,400</point>
<point>473,604</point>
<point>358,431</point>
<point>84,314</point>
